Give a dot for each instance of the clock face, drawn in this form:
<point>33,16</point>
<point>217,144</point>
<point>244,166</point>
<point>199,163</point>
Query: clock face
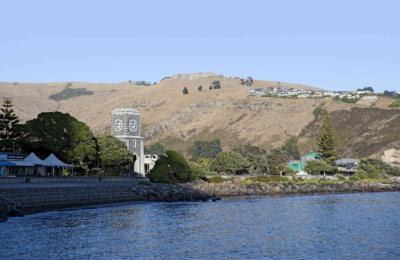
<point>118,125</point>
<point>132,125</point>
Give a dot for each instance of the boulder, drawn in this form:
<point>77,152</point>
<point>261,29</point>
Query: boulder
<point>3,218</point>
<point>16,213</point>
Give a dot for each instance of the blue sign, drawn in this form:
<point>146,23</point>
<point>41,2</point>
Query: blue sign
<point>3,156</point>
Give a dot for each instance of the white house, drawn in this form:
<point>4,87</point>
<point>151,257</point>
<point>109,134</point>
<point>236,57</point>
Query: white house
<point>149,162</point>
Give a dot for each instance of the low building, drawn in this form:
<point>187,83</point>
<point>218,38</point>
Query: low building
<point>303,96</point>
<point>149,162</point>
<point>17,164</point>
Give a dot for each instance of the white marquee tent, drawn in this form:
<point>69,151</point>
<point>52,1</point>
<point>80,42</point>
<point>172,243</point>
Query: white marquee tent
<point>32,158</point>
<point>53,161</point>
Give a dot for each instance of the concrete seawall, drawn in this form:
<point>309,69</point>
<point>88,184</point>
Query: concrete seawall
<point>26,179</point>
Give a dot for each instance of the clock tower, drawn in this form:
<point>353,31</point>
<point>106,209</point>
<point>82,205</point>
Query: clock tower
<point>125,125</point>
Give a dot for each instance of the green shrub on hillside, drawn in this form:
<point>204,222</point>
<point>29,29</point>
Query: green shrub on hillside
<point>395,103</point>
<point>217,179</point>
<point>340,177</point>
<point>262,178</point>
<point>361,174</point>
<point>275,178</point>
<point>349,100</point>
<point>68,93</point>
<point>354,178</point>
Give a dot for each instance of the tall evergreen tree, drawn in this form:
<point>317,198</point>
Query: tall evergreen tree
<point>8,122</point>
<point>327,141</point>
<point>199,88</point>
<point>185,91</point>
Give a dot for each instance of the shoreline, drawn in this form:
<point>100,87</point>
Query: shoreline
<point>45,199</point>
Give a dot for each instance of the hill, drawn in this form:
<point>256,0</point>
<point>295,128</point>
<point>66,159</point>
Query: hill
<point>176,120</point>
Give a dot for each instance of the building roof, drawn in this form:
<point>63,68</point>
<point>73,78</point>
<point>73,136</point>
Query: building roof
<point>315,155</point>
<point>347,160</point>
<point>126,110</point>
<point>52,160</point>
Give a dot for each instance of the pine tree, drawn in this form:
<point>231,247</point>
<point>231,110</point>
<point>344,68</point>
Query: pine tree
<point>199,88</point>
<point>327,141</point>
<point>8,122</point>
<point>210,87</point>
<point>185,91</point>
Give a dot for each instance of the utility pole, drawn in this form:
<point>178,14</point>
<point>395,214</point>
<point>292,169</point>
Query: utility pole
<point>98,163</point>
<point>13,146</point>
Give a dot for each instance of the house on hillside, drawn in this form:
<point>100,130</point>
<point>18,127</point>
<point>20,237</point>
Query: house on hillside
<point>303,96</point>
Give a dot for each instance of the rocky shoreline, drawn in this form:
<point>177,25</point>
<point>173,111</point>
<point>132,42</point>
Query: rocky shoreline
<point>201,191</point>
<point>194,191</point>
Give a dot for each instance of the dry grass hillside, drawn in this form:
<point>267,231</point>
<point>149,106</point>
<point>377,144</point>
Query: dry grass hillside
<point>177,120</point>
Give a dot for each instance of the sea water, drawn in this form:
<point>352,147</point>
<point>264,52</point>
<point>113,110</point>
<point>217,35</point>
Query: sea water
<point>336,226</point>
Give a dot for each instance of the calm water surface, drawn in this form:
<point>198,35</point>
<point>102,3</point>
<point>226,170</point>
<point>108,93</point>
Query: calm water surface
<point>338,226</point>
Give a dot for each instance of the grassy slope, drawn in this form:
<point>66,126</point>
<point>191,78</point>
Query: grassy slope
<point>177,120</point>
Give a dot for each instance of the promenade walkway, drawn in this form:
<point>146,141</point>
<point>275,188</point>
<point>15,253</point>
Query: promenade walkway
<point>65,184</point>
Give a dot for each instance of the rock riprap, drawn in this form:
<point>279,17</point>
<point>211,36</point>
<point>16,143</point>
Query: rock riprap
<point>200,191</point>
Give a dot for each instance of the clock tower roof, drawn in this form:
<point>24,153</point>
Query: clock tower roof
<point>126,110</point>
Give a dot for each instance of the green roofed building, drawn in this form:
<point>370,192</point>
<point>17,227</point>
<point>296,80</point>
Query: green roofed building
<point>296,165</point>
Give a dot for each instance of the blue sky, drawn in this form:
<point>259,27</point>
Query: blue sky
<point>340,45</point>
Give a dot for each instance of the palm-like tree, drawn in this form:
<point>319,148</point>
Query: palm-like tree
<point>280,168</point>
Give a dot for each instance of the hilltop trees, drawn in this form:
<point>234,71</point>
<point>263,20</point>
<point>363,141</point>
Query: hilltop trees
<point>327,141</point>
<point>250,79</point>
<point>185,91</point>
<point>210,88</point>
<point>199,88</point>
<point>366,89</point>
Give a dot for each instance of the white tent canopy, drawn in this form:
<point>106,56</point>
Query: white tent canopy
<point>32,158</point>
<point>53,161</point>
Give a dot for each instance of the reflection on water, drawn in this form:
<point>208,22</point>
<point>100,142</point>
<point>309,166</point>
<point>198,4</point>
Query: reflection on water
<point>352,226</point>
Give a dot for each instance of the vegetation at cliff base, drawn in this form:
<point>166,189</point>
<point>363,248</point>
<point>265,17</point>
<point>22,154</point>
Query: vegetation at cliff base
<point>156,148</point>
<point>204,149</point>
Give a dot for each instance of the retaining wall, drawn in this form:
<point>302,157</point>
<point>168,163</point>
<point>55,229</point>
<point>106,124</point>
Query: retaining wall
<point>27,179</point>
<point>35,200</point>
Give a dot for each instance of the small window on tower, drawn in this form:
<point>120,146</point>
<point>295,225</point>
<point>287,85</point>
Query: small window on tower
<point>134,143</point>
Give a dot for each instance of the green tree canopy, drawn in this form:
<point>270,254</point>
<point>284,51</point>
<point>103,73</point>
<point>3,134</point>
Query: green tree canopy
<point>275,157</point>
<point>327,141</point>
<point>156,148</point>
<point>63,135</point>
<point>204,149</point>
<point>318,111</point>
<point>170,168</point>
<point>185,91</point>
<point>230,161</point>
<point>318,166</point>
<point>378,164</point>
<point>291,148</point>
<point>259,162</point>
<point>199,88</point>
<point>114,153</point>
